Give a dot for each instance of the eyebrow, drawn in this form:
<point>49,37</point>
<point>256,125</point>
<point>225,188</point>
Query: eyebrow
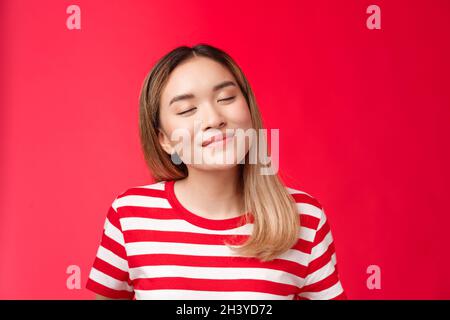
<point>190,95</point>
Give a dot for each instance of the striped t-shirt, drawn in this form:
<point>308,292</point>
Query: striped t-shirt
<point>154,248</point>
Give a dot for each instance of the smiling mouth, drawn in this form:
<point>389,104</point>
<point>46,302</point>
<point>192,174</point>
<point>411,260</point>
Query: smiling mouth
<point>218,141</point>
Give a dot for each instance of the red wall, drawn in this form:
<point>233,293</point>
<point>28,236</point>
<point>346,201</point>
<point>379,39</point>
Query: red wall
<point>363,118</point>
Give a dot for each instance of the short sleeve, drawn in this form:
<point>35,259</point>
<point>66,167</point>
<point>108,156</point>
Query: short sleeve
<point>322,280</point>
<point>109,275</point>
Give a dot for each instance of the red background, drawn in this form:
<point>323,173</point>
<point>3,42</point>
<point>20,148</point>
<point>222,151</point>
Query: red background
<point>363,118</point>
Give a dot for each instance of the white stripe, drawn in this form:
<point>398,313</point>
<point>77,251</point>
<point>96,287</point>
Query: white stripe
<point>309,209</point>
<point>295,256</point>
<point>322,221</point>
<point>294,191</point>
<point>178,225</point>
<point>142,201</point>
<point>326,294</point>
<point>113,259</point>
<point>114,205</point>
<point>333,258</point>
<point>109,281</point>
<point>218,273</point>
<point>320,248</point>
<point>155,186</point>
<point>147,247</point>
<point>167,294</point>
<point>321,273</point>
<point>307,234</point>
<point>112,232</point>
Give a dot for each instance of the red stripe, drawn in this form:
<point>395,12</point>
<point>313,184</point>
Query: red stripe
<point>321,261</point>
<point>304,198</point>
<point>309,221</point>
<point>199,238</point>
<point>323,284</point>
<point>113,218</point>
<point>181,283</point>
<point>202,261</point>
<point>306,220</point>
<point>113,246</point>
<point>322,233</point>
<point>303,246</point>
<point>135,191</point>
<point>182,237</point>
<point>108,292</point>
<point>148,212</point>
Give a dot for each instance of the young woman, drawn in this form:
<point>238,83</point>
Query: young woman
<point>210,229</point>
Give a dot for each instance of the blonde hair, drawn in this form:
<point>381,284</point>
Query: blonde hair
<point>276,221</point>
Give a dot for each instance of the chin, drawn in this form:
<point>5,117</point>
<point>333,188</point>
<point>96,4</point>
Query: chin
<point>214,166</point>
<point>217,160</point>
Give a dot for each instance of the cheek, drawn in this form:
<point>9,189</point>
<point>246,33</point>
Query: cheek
<point>240,115</point>
<point>176,129</point>
<point>182,134</point>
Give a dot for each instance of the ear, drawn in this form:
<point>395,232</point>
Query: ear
<point>164,141</point>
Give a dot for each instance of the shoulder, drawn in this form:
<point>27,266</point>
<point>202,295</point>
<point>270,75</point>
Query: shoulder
<point>309,207</point>
<point>149,195</point>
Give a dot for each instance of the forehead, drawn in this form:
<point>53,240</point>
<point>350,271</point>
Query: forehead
<point>197,76</point>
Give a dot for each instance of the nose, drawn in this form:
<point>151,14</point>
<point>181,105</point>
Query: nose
<point>212,118</point>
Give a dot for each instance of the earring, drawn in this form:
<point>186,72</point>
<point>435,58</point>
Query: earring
<point>175,158</point>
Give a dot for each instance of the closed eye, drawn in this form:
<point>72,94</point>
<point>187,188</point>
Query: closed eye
<point>187,111</point>
<point>226,99</point>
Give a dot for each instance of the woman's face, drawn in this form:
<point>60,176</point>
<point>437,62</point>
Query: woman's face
<point>202,100</point>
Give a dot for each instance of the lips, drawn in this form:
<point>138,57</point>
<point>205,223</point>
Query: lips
<point>215,138</point>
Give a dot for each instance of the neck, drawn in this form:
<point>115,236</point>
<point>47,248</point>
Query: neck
<point>214,194</point>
